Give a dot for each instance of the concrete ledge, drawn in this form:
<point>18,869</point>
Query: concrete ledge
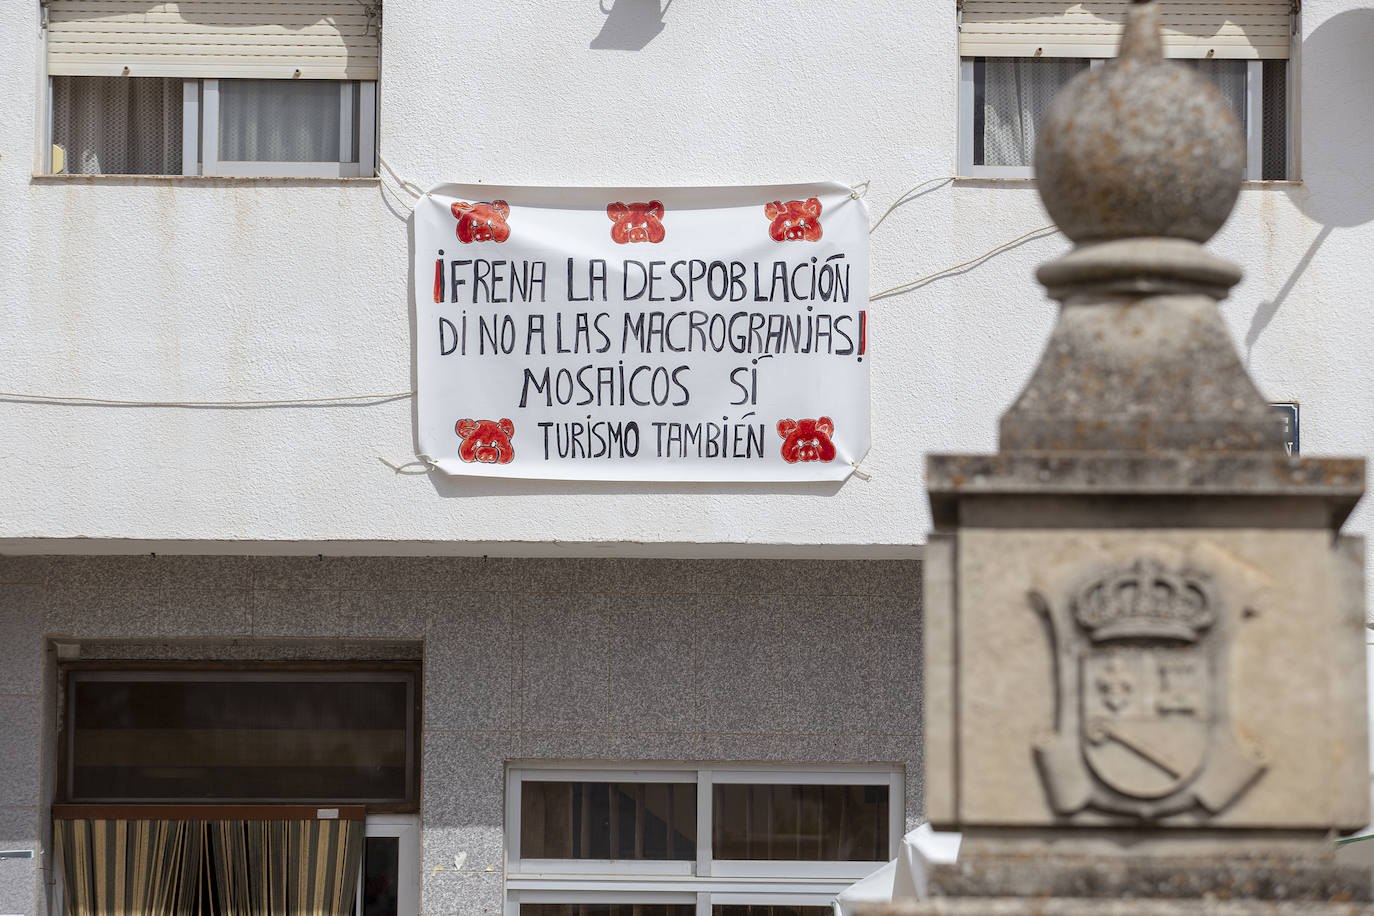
<point>1058,906</point>
<point>1337,482</point>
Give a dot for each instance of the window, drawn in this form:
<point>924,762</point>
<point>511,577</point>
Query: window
<point>210,782</point>
<point>241,737</point>
<point>665,840</point>
<point>1017,55</point>
<point>276,88</point>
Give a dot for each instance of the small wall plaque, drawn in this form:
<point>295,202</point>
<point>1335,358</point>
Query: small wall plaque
<point>1289,412</point>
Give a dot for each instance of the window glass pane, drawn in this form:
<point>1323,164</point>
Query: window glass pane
<point>607,909</point>
<point>275,739</point>
<point>608,820</point>
<point>1010,95</point>
<point>1275,123</point>
<point>381,875</point>
<point>757,909</point>
<point>116,125</point>
<point>800,823</point>
<point>279,120</point>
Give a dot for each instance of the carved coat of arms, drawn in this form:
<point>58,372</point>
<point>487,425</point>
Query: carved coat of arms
<point>1141,722</point>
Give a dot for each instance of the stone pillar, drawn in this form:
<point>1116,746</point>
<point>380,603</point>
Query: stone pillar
<point>1144,634</point>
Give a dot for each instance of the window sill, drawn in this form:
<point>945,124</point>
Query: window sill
<point>973,181</point>
<point>40,178</point>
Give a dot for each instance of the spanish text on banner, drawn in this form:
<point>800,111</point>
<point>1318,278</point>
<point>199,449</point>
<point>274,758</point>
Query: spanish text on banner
<point>672,334</point>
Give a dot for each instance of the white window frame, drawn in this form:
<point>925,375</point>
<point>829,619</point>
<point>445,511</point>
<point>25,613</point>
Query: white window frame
<point>701,900</point>
<point>365,129</point>
<point>406,827</point>
<point>1254,128</point>
<point>200,136</point>
<point>704,882</point>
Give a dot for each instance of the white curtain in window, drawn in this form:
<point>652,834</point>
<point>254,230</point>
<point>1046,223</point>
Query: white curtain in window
<point>1016,91</point>
<point>117,125</point>
<point>279,120</point>
<point>1229,77</point>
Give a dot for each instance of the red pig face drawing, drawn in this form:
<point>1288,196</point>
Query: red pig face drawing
<point>487,441</point>
<point>806,440</point>
<point>795,221</point>
<point>636,222</point>
<point>482,222</point>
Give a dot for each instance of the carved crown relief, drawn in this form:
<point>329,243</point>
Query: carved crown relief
<point>1141,722</point>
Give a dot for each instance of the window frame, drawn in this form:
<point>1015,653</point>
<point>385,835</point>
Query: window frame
<point>705,881</point>
<point>702,901</point>
<point>406,828</point>
<point>200,141</point>
<point>1254,126</point>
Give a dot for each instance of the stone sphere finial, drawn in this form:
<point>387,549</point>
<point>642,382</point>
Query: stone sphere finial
<point>1139,146</point>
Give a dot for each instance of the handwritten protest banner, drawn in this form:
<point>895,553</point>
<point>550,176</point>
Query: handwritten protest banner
<point>671,334</point>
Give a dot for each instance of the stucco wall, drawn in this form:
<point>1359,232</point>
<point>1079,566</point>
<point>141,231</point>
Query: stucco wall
<point>221,290</point>
<point>810,662</point>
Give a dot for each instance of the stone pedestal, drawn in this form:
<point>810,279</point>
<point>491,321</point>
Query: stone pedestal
<point>1145,677</point>
<point>1146,641</point>
<point>1144,632</point>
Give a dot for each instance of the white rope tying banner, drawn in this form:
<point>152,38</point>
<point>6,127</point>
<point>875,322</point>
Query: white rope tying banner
<point>903,287</point>
<point>901,199</point>
<point>404,184</point>
<point>906,196</point>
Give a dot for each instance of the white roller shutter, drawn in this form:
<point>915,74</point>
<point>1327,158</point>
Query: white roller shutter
<point>1236,29</point>
<point>268,39</point>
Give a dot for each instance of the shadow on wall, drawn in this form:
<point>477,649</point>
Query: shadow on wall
<point>1337,133</point>
<point>630,24</point>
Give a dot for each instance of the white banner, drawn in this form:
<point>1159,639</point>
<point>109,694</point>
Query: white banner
<point>675,334</point>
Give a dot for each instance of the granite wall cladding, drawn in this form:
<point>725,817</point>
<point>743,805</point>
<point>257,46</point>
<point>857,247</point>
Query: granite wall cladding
<point>730,660</point>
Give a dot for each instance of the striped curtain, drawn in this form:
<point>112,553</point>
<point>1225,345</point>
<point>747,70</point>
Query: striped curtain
<point>129,867</point>
<point>210,868</point>
<point>285,868</point>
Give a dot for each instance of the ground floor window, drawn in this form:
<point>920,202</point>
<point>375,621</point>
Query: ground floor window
<point>694,840</point>
<point>275,791</point>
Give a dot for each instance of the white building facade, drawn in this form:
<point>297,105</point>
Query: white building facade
<point>209,444</point>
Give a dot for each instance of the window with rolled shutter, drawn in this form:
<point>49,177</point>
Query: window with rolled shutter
<point>1016,54</point>
<point>280,88</point>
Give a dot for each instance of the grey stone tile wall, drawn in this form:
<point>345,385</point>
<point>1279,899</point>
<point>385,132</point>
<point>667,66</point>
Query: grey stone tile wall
<point>18,877</point>
<point>616,659</point>
<point>23,589</point>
